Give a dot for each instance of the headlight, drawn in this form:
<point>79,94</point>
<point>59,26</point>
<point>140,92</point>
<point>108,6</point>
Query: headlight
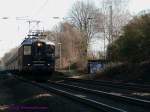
<point>28,64</point>
<point>48,64</point>
<point>39,44</point>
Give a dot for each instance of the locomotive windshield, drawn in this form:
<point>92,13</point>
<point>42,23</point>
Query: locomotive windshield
<point>27,50</point>
<point>39,50</point>
<point>50,50</point>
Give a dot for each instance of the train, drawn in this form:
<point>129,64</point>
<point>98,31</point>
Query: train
<point>35,55</point>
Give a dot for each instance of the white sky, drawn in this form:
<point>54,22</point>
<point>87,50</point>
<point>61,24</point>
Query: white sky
<point>13,31</point>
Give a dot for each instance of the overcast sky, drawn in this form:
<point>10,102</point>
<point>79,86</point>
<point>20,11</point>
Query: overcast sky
<point>13,31</point>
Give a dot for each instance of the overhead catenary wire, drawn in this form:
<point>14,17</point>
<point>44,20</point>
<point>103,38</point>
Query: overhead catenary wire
<point>41,7</point>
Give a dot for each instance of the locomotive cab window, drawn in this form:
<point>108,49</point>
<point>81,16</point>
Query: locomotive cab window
<point>27,50</point>
<point>50,49</point>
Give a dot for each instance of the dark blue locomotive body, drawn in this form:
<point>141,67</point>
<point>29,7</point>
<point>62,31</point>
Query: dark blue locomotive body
<point>34,56</point>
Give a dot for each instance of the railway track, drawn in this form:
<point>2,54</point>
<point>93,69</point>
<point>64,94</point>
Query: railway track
<point>140,93</point>
<point>93,104</point>
<point>140,102</point>
<point>129,86</point>
<point>92,98</point>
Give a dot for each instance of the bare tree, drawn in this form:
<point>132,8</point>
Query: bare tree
<point>116,16</point>
<point>71,40</point>
<point>83,16</point>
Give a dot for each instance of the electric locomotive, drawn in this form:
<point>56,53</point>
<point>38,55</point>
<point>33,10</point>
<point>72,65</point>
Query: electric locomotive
<point>34,56</point>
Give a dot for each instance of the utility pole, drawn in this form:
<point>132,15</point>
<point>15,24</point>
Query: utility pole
<point>110,38</point>
<point>60,55</point>
<point>107,10</point>
<point>110,24</point>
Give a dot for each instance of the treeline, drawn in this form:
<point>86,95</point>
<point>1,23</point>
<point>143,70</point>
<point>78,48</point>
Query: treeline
<point>133,45</point>
<point>130,53</point>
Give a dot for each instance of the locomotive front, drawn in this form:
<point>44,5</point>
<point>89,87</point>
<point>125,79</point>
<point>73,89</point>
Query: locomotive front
<point>35,55</point>
<point>39,57</point>
<point>43,57</point>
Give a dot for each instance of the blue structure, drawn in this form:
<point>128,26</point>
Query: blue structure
<point>95,66</point>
